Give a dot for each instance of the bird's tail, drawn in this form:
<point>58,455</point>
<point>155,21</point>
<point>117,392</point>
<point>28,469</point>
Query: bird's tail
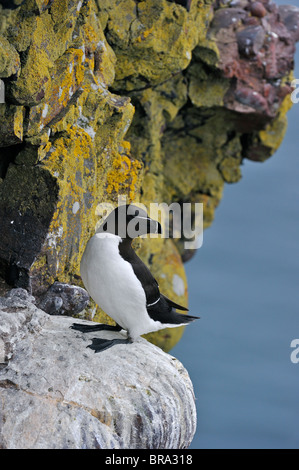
<point>185,318</point>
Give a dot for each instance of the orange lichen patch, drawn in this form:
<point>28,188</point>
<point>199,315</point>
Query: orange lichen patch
<point>68,159</point>
<point>144,34</point>
<point>100,57</point>
<point>90,35</point>
<point>72,76</point>
<point>123,175</point>
<point>125,147</point>
<point>76,144</point>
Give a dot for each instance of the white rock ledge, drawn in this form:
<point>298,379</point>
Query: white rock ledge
<point>57,394</point>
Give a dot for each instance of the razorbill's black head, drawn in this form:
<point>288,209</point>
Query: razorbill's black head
<point>129,221</point>
<point>121,284</point>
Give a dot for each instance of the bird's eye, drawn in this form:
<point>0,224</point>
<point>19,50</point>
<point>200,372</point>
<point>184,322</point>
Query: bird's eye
<point>137,227</point>
<point>136,213</point>
<point>105,226</point>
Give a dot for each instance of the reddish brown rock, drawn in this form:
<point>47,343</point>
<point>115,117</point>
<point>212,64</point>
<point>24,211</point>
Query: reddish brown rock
<point>289,15</point>
<point>257,9</point>
<point>256,43</point>
<point>250,40</point>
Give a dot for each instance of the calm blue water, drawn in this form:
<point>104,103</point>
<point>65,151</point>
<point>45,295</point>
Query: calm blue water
<point>244,284</point>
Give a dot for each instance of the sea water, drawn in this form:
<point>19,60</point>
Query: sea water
<point>244,284</point>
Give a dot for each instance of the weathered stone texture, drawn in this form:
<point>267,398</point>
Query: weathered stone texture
<point>57,394</point>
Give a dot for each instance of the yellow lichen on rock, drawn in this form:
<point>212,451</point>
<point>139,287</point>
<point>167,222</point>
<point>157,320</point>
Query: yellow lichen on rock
<point>123,175</point>
<point>67,160</point>
<point>12,119</point>
<point>272,136</point>
<point>145,30</point>
<point>9,59</point>
<point>153,100</point>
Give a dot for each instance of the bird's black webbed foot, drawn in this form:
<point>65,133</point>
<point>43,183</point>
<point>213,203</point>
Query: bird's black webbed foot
<point>99,344</point>
<point>96,327</point>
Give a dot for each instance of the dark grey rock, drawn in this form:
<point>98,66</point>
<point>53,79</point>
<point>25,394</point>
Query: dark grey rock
<point>64,299</point>
<point>250,40</point>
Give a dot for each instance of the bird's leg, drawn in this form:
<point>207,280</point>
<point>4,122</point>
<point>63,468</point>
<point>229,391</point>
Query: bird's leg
<point>96,327</point>
<point>99,344</point>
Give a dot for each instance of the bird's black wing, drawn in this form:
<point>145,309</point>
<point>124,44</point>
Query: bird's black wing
<point>164,312</point>
<point>159,307</point>
<point>148,282</point>
<point>174,305</point>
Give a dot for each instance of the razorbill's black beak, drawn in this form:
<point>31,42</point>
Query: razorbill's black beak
<point>143,225</point>
<point>153,226</point>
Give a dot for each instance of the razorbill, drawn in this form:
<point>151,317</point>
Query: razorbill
<point>121,284</point>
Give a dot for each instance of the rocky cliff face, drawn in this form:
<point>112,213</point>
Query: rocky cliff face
<point>155,100</point>
<point>56,393</point>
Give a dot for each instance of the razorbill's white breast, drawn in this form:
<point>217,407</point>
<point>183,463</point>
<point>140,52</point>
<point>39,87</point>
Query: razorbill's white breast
<point>121,284</point>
